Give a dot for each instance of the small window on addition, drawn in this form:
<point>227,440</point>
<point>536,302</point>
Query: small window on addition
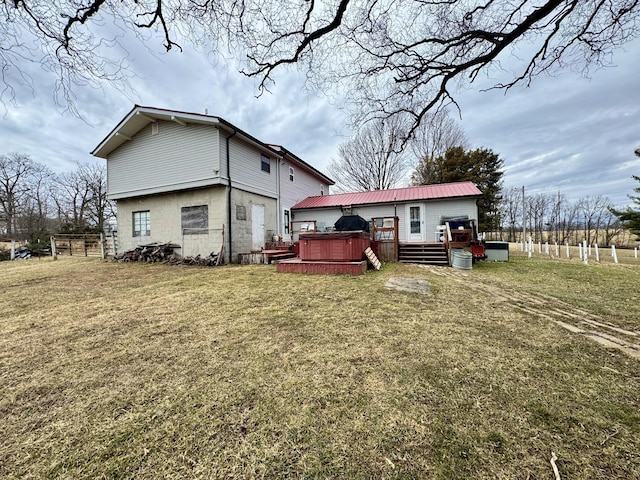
<point>291,174</point>
<point>265,164</point>
<point>241,212</point>
<point>321,190</point>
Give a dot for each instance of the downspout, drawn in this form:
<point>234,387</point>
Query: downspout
<point>230,243</point>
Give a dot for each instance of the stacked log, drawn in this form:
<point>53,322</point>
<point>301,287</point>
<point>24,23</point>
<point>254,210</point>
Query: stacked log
<point>164,253</point>
<point>152,252</point>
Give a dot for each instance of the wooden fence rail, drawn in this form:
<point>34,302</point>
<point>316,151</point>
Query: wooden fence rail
<point>87,245</point>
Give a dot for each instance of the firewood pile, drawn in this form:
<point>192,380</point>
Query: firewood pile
<point>152,252</point>
<point>164,253</point>
<point>210,261</point>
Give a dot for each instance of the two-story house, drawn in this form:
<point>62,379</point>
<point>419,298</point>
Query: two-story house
<point>184,177</point>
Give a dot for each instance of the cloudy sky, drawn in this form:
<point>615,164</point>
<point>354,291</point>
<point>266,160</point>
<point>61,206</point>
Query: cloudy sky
<point>566,134</point>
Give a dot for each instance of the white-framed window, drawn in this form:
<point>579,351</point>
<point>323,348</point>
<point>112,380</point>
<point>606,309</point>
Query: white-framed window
<point>195,220</point>
<point>142,223</point>
<point>265,163</point>
<point>291,174</point>
<point>321,190</point>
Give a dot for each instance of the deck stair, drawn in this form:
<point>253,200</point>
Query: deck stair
<point>425,253</point>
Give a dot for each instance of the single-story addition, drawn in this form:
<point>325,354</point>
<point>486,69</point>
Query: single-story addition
<point>184,177</point>
<point>421,211</point>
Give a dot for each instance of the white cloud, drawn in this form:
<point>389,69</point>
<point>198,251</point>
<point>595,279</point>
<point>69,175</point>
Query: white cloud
<point>563,133</point>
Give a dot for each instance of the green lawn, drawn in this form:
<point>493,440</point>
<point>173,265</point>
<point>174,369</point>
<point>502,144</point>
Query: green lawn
<point>111,370</point>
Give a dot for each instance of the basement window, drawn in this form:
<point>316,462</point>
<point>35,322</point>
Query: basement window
<point>142,223</point>
<point>195,220</point>
<point>265,164</point>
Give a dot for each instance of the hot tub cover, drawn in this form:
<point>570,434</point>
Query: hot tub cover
<point>351,222</point>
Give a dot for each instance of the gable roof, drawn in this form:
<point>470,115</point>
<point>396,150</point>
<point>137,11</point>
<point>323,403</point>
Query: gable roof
<point>408,194</point>
<point>140,116</point>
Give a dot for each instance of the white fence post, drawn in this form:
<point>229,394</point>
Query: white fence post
<point>53,248</point>
<point>530,247</point>
<point>13,249</point>
<point>580,251</point>
<point>635,252</point>
<point>566,244</point>
<point>546,248</point>
<point>597,253</point>
<point>584,251</point>
<point>614,254</point>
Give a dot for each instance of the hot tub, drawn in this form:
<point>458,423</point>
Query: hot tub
<point>346,246</point>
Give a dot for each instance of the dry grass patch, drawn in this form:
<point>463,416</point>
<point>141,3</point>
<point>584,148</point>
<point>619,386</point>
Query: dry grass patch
<point>145,371</point>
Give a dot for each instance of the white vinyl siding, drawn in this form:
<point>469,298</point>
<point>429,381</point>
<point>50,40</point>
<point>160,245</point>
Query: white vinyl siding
<point>326,217</point>
<point>292,192</point>
<point>176,157</point>
<point>246,172</point>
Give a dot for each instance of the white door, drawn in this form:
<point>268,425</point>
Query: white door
<point>415,223</point>
<point>257,226</point>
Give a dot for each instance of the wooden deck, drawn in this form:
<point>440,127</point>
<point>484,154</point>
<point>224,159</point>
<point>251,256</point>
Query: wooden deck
<point>295,265</point>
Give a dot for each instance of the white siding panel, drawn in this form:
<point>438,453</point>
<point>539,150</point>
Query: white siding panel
<point>175,156</point>
<point>304,185</point>
<point>448,208</point>
<point>246,173</point>
<point>434,210</point>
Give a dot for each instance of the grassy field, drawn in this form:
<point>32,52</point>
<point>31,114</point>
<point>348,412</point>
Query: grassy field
<point>112,370</point>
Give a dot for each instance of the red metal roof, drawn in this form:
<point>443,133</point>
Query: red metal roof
<point>409,194</point>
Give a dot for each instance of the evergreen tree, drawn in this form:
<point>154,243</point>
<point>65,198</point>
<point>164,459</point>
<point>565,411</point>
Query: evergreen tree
<point>481,166</point>
<point>630,217</point>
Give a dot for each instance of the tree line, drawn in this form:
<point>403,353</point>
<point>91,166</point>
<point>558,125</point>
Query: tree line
<point>35,202</point>
<point>550,217</point>
<point>380,156</point>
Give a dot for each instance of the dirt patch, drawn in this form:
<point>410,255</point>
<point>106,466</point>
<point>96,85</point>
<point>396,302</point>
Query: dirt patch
<point>417,285</point>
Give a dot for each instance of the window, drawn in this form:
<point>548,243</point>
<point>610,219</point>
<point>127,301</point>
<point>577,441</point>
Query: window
<point>142,223</point>
<point>321,190</point>
<point>287,220</point>
<point>265,164</point>
<point>195,220</point>
<point>241,212</point>
<point>291,174</point>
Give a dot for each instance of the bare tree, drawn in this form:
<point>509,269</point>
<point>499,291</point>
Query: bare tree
<point>372,159</point>
<point>591,211</point>
<point>34,217</point>
<point>394,57</point>
<point>562,219</point>
<point>81,198</point>
<point>538,206</point>
<point>15,175</point>
<point>511,212</point>
<point>429,144</point>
